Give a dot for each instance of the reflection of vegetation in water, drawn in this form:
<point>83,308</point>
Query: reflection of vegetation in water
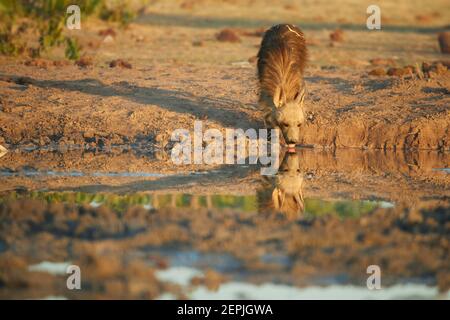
<point>314,207</point>
<point>343,209</point>
<point>113,201</point>
<point>121,202</point>
<point>183,200</point>
<point>247,203</point>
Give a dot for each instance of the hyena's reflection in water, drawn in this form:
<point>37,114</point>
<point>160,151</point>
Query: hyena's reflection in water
<point>283,193</point>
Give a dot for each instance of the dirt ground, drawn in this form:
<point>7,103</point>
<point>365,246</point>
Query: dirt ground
<point>181,72</point>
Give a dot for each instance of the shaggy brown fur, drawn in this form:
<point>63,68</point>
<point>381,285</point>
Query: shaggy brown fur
<point>281,60</point>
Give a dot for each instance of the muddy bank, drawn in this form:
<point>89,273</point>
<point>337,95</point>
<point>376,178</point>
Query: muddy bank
<point>373,133</point>
<point>115,248</point>
<point>378,113</point>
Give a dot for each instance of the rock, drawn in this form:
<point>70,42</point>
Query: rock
<point>60,63</point>
<point>337,36</point>
<point>84,62</point>
<point>93,44</point>
<point>40,63</point>
<point>290,7</point>
<point>399,72</point>
<point>228,35</point>
<point>377,72</point>
<point>120,63</point>
<point>187,5</point>
<point>444,42</point>
<point>107,32</point>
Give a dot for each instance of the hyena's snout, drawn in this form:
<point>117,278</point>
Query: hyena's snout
<point>292,135</point>
<point>291,123</point>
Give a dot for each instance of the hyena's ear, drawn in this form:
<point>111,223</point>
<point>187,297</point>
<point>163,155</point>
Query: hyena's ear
<point>300,96</point>
<point>279,98</point>
<point>278,198</point>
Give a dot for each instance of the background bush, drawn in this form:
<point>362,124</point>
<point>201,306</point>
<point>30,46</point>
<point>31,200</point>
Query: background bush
<point>48,18</point>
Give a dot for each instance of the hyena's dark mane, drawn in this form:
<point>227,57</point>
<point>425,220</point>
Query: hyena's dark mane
<point>281,60</point>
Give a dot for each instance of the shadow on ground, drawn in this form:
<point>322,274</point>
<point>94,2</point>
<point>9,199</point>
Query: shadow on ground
<point>221,110</point>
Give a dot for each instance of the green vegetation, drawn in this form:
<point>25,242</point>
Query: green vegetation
<point>9,43</point>
<point>45,20</point>
<point>121,13</point>
<point>72,49</point>
<point>343,208</point>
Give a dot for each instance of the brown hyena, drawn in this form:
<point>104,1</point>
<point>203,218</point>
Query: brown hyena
<point>281,61</point>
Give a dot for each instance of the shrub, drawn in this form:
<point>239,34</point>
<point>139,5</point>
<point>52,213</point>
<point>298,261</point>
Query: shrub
<point>48,18</point>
